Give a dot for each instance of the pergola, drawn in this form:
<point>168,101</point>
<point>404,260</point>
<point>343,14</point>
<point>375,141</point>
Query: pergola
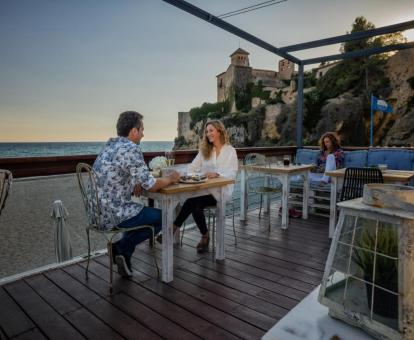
<point>284,51</point>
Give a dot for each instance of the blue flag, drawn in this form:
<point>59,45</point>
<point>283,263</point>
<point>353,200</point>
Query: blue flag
<point>380,105</point>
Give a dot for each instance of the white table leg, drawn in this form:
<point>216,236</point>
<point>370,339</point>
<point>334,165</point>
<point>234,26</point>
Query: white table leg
<point>167,239</point>
<point>285,198</point>
<point>332,210</point>
<point>305,195</point>
<point>221,215</point>
<point>243,195</point>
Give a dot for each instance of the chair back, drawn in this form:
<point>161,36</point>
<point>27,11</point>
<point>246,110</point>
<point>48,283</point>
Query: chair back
<point>87,185</point>
<point>6,179</point>
<point>354,181</point>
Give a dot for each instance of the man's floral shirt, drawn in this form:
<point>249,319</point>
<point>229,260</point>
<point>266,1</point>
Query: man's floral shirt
<point>119,167</point>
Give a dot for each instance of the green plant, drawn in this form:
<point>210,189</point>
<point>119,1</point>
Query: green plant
<point>386,243</point>
<point>381,268</point>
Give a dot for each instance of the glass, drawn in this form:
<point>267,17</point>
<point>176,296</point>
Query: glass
<point>286,160</point>
<point>169,155</point>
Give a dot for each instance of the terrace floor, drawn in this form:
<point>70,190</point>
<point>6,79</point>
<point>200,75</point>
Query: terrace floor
<point>262,278</point>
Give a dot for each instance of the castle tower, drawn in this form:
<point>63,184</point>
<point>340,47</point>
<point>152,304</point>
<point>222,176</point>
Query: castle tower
<point>240,57</point>
<point>286,69</point>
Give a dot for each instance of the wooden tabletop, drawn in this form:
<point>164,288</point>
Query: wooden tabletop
<point>209,183</point>
<point>388,175</point>
<point>278,169</point>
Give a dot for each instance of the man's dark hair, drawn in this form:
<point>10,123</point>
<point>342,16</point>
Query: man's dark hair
<point>127,121</point>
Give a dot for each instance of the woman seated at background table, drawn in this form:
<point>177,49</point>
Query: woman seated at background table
<point>216,157</point>
<point>331,157</point>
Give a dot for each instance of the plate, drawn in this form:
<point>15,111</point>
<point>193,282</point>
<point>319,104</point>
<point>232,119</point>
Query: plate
<point>192,179</point>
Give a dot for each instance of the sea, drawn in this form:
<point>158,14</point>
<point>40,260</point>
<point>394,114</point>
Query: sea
<point>10,150</point>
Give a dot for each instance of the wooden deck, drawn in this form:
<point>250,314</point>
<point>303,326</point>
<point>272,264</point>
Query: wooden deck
<point>262,278</point>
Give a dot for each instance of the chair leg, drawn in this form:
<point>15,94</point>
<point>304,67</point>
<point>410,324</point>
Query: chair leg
<point>213,244</point>
<point>109,245</point>
<point>89,254</point>
<point>154,255</point>
<point>261,199</point>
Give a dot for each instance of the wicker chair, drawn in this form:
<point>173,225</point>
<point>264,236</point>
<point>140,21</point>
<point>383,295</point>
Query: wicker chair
<point>88,188</point>
<point>354,181</point>
<point>6,179</point>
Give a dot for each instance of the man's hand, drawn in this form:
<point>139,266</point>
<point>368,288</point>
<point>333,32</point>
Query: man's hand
<point>137,190</point>
<point>174,177</point>
<point>212,175</point>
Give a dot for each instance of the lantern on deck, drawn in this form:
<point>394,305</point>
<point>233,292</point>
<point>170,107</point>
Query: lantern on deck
<point>369,275</point>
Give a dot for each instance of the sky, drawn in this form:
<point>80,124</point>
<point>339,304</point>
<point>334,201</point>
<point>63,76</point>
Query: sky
<point>69,67</point>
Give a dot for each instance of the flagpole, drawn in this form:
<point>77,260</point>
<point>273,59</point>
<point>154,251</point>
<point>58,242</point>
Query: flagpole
<point>371,139</point>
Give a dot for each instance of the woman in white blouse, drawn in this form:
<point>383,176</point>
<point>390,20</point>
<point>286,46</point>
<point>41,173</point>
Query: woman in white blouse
<point>216,158</point>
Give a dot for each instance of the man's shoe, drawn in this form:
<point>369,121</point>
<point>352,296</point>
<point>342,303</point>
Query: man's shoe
<point>123,269</point>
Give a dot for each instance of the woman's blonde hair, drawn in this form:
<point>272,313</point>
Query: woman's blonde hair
<point>205,146</point>
<point>333,138</point>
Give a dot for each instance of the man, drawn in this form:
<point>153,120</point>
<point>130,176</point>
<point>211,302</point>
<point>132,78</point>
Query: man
<point>121,172</point>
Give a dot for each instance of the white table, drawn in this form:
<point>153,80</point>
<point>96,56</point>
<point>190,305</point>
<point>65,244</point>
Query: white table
<point>309,320</point>
<point>284,173</point>
<point>169,197</point>
<point>400,177</point>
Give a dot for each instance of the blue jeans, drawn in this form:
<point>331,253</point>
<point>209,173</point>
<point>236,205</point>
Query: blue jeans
<point>126,245</point>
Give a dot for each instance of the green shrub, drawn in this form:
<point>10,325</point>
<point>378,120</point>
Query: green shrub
<point>208,110</point>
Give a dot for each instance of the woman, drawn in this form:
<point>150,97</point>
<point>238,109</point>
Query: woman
<point>216,158</point>
<point>331,157</point>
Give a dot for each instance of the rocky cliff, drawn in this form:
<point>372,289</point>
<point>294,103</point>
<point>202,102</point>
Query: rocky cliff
<point>347,114</point>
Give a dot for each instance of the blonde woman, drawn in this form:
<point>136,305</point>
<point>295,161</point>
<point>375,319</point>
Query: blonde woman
<point>216,158</point>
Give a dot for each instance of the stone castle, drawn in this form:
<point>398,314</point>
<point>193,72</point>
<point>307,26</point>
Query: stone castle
<point>240,73</point>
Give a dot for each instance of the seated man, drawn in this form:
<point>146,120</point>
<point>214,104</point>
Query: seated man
<point>121,172</point>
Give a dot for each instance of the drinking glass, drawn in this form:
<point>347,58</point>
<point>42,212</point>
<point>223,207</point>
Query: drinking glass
<point>169,155</point>
<point>286,160</point>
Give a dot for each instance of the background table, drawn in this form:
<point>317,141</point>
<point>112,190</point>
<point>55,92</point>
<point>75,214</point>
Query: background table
<point>284,173</point>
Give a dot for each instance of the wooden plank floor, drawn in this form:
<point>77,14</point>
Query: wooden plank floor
<point>263,277</point>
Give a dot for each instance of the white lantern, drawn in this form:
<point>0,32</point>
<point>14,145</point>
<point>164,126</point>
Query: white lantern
<point>369,275</point>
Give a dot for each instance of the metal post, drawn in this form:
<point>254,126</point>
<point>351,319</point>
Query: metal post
<point>371,138</point>
<point>299,109</point>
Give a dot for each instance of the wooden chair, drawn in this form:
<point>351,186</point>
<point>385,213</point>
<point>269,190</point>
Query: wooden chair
<point>6,179</point>
<point>89,191</point>
<point>354,181</point>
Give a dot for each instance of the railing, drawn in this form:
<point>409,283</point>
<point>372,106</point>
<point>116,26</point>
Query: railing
<point>46,166</point>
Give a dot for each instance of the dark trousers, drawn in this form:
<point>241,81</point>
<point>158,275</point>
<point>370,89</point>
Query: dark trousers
<point>126,245</point>
<point>195,206</point>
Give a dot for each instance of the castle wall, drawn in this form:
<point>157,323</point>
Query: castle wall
<point>286,69</point>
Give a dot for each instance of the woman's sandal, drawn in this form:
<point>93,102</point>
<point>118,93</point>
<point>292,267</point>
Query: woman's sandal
<point>202,246</point>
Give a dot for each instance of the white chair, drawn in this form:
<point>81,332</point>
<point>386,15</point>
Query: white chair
<point>89,191</point>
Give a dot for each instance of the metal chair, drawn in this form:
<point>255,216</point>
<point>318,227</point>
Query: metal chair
<point>211,215</point>
<point>259,183</point>
<point>89,191</point>
<point>6,179</point>
<point>354,181</point>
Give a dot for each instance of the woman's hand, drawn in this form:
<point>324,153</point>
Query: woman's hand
<point>212,175</point>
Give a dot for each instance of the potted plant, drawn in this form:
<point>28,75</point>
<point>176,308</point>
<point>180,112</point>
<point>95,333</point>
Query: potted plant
<point>385,241</point>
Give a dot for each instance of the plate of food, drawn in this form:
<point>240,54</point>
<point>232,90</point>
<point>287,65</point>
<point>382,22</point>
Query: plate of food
<point>193,179</point>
